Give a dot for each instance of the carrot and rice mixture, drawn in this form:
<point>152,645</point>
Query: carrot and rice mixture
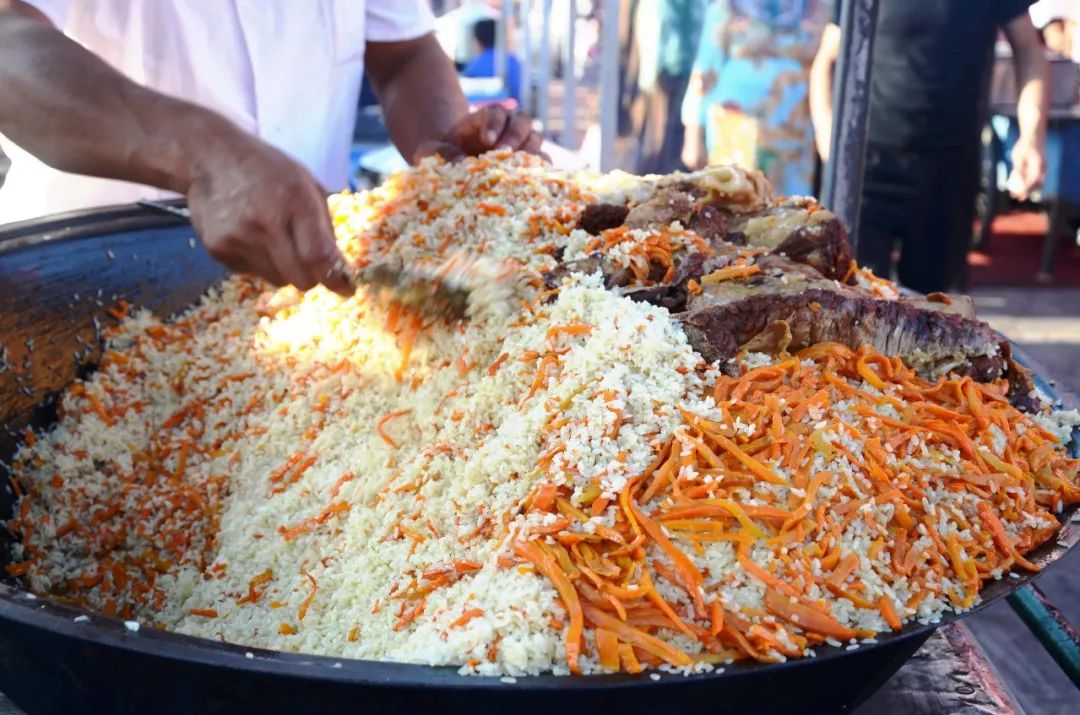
<point>563,485</point>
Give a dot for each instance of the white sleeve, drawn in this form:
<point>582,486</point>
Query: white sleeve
<point>55,10</point>
<point>394,20</point>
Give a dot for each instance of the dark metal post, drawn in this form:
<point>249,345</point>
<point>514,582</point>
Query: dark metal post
<point>1050,626</point>
<point>842,184</point>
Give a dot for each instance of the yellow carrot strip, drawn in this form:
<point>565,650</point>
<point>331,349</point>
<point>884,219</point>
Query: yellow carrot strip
<point>749,462</point>
<point>546,565</point>
<point>607,647</point>
<point>867,373</point>
<point>806,617</point>
<point>888,612</point>
<point>729,273</point>
<point>741,516</point>
<point>628,634</point>
<point>688,572</point>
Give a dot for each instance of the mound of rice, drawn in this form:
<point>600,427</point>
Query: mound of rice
<point>309,473</point>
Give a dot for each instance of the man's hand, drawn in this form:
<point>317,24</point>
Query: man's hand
<point>1029,56</point>
<point>425,110</point>
<point>258,211</point>
<point>491,127</point>
<point>1029,166</point>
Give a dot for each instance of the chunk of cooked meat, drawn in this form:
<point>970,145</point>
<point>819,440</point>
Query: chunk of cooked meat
<point>797,228</point>
<point>670,205</point>
<point>661,209</point>
<point>961,305</point>
<point>731,188</point>
<point>597,218</point>
<point>1021,385</point>
<point>774,339</point>
<point>614,276</point>
<point>801,230</point>
<point>728,315</point>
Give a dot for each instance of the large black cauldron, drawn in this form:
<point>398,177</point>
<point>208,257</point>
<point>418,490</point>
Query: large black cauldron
<point>57,276</point>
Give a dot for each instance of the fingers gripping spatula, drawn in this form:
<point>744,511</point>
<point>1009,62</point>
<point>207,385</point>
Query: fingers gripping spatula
<point>442,293</point>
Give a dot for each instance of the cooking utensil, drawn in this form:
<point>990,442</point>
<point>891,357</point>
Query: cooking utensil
<point>429,293</point>
<point>417,290</point>
<point>178,211</point>
<point>57,277</point>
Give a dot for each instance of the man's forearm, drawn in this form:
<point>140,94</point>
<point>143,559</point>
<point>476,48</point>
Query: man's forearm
<point>1033,102</point>
<point>1032,73</point>
<point>74,112</point>
<point>821,88</point>
<point>418,89</point>
<point>821,109</point>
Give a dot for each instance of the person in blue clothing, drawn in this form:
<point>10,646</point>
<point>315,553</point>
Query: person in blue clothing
<point>747,99</point>
<point>483,65</point>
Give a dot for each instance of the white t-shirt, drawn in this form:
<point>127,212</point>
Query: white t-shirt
<point>288,71</point>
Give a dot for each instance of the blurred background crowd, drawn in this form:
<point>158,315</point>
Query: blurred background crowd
<point>749,82</point>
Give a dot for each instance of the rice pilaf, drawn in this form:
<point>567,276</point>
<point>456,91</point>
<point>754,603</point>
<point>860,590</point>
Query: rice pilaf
<point>560,484</point>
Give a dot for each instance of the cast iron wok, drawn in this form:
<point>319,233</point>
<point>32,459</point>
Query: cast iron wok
<point>57,276</point>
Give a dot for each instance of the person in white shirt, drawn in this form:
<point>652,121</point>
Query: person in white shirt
<point>246,107</point>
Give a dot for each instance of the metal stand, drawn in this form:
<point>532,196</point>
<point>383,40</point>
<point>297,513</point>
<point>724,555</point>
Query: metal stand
<point>842,184</point>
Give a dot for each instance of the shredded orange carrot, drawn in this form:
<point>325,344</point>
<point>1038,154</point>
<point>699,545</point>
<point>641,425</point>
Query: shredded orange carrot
<point>99,408</point>
<point>494,367</point>
<point>204,612</point>
<point>607,647</point>
<point>569,329</point>
<point>342,480</point>
<point>303,527</point>
<point>888,612</point>
<point>18,569</point>
<point>545,496</point>
<point>670,509</point>
<point>806,617</point>
<point>533,552</point>
<point>638,639</point>
<point>382,424</point>
<point>466,616</point>
<point>253,595</point>
<point>491,209</point>
<point>287,629</point>
<point>306,603</point>
<point>120,310</point>
<point>728,273</point>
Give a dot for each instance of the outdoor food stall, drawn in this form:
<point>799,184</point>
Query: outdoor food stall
<point>681,452</point>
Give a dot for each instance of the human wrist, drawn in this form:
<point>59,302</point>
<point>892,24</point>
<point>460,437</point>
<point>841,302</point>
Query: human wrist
<point>194,141</point>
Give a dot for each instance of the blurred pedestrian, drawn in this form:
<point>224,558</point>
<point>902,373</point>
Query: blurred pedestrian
<point>931,69</point>
<point>667,33</point>
<point>484,63</point>
<point>747,100</point>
